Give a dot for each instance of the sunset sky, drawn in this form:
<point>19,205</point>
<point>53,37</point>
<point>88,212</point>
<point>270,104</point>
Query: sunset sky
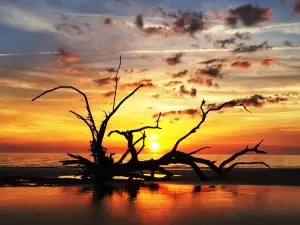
<point>44,44</point>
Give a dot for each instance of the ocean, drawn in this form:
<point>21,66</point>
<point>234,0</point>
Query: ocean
<point>52,159</point>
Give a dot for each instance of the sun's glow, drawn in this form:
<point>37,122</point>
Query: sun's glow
<point>154,146</point>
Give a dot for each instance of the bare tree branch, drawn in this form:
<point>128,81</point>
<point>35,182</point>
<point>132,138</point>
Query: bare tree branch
<point>141,138</point>
<point>204,114</point>
<point>226,104</point>
<point>143,145</point>
<point>80,92</point>
<point>194,152</point>
<point>124,99</point>
<point>118,132</point>
<point>129,137</point>
<point>136,130</point>
<point>148,127</point>
<point>104,123</point>
<point>244,163</point>
<point>246,150</point>
<point>116,87</point>
<point>123,157</point>
<point>86,122</point>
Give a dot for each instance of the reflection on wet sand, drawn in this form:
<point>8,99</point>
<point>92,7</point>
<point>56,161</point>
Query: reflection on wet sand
<point>151,203</point>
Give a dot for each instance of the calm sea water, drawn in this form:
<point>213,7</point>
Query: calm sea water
<point>159,204</point>
<point>52,159</point>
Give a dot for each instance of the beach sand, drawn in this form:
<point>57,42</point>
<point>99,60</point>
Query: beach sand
<point>251,176</point>
<point>159,204</point>
<point>244,196</point>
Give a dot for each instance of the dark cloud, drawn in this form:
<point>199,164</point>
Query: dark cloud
<point>157,30</point>
<point>139,21</point>
<point>176,59</point>
<point>194,46</point>
<point>212,71</point>
<point>173,83</point>
<point>183,23</point>
<point>167,15</point>
<point>213,61</point>
<point>130,70</point>
<point>289,95</point>
<point>223,43</point>
<point>253,101</point>
<point>183,91</point>
<point>203,81</point>
<point>105,81</point>
<point>142,70</point>
<point>189,112</point>
<point>108,94</point>
<point>111,70</point>
<point>67,57</point>
<point>241,64</point>
<point>296,6</point>
<point>179,74</point>
<point>252,48</point>
<point>249,15</point>
<point>256,100</point>
<point>231,21</point>
<point>288,44</point>
<point>243,36</point>
<point>146,82</point>
<point>107,21</point>
<point>155,96</point>
<point>189,22</point>
<point>69,28</point>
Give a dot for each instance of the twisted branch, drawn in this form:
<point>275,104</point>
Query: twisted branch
<point>85,121</point>
<point>90,116</point>
<point>116,87</point>
<point>204,114</point>
<point>103,125</point>
<point>246,150</point>
<point>244,163</point>
<point>194,152</point>
<point>143,145</point>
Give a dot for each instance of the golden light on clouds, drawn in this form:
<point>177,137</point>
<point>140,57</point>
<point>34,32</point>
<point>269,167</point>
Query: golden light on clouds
<point>85,54</point>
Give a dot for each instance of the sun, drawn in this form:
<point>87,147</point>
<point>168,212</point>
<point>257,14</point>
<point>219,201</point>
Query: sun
<point>154,146</point>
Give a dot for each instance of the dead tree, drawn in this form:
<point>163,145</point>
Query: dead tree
<point>103,167</point>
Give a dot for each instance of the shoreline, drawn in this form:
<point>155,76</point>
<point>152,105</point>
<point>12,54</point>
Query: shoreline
<point>49,176</point>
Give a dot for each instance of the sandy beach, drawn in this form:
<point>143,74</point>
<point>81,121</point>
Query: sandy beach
<point>160,203</point>
<point>250,176</point>
<point>52,195</point>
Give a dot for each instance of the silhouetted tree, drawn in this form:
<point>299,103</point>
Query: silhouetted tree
<point>104,168</point>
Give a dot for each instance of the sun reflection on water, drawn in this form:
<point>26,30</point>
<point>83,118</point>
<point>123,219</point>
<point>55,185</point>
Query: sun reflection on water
<point>152,203</point>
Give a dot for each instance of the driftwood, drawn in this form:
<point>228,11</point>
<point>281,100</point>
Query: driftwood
<point>105,168</point>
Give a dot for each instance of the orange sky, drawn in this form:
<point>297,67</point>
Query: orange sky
<point>172,68</point>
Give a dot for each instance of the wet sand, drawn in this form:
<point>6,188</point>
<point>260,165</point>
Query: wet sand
<point>254,176</point>
<point>159,204</point>
<point>244,196</point>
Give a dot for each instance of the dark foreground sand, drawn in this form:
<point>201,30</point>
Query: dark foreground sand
<point>251,176</point>
<point>184,200</point>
